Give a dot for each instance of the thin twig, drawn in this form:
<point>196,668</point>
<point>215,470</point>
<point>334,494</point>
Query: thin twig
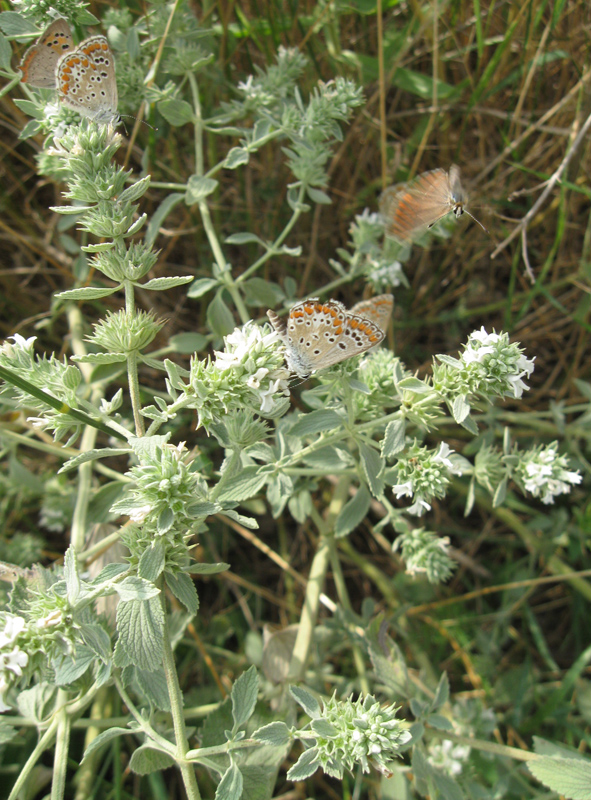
<point>522,226</point>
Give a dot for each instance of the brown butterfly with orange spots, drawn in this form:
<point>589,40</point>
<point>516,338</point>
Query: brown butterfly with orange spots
<point>423,202</point>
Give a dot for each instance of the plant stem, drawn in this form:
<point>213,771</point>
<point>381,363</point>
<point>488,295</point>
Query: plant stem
<point>223,267</point>
<point>62,744</point>
<point>309,615</point>
<point>176,707</point>
<point>43,744</point>
<point>78,531</point>
<point>132,374</point>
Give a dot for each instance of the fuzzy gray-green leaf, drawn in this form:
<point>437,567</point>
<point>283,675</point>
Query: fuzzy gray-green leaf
<point>244,696</point>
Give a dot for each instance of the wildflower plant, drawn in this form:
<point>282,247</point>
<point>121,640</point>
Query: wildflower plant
<point>171,454</point>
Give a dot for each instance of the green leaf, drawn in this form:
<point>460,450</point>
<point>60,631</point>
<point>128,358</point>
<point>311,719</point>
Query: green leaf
<point>353,512</point>
<point>198,188</point>
<point>244,696</point>
<point>135,190</point>
<point>152,561</point>
<point>202,508</point>
<point>100,358</point>
<point>147,759</point>
<point>68,669</point>
<point>103,738</point>
<point>183,588</point>
<point>70,210</point>
<point>275,734</point>
<point>469,424</point>
<point>320,421</point>
<point>307,701</point>
<point>207,569</point>
<point>259,292</point>
<point>165,520</point>
<point>219,317</point>
<point>442,693</point>
<point>5,53</point>
<point>372,465</point>
<point>140,625</point>
<point>305,766</point>
<point>318,196</point>
<point>162,284</point>
<point>243,486</point>
<point>230,786</point>
<point>31,128</point>
<point>421,85</point>
<point>176,112</point>
<point>187,343</point>
<point>14,24</point>
<point>460,409</point>
<point>500,493</point>
<point>323,728</point>
<point>92,455</point>
<point>201,286</point>
<point>394,438</point>
<point>96,639</point>
<point>85,17</point>
<point>236,158</point>
<point>134,588</point>
<point>570,777</point>
<point>153,687</point>
<point>244,238</point>
<point>158,217</point>
<point>414,385</point>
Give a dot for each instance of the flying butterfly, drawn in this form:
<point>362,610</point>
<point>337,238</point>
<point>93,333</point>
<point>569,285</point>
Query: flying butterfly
<point>418,205</point>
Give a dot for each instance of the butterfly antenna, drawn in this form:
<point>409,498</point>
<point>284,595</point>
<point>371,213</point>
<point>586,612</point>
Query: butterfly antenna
<point>142,121</point>
<point>476,220</point>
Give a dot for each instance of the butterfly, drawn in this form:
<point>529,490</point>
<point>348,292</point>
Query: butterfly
<point>423,202</point>
<point>39,63</point>
<point>317,335</point>
<point>84,75</point>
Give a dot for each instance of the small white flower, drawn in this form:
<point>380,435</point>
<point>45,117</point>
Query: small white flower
<point>14,625</point>
<point>472,355</point>
<point>255,380</point>
<point>51,620</point>
<point>139,514</point>
<point>403,489</point>
<point>19,343</point>
<point>419,507</point>
<point>484,337</point>
<point>266,395</point>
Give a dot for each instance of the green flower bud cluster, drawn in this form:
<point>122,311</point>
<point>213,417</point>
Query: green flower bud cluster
<point>57,378</point>
<point>350,734</point>
<point>424,551</point>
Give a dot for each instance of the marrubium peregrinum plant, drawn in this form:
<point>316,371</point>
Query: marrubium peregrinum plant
<point>366,441</point>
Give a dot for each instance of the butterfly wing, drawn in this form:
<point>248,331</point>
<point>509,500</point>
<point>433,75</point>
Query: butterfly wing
<point>421,204</point>
<point>39,63</point>
<point>86,80</point>
<point>377,309</point>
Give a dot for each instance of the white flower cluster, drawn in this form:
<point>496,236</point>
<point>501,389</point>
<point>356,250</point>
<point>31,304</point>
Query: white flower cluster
<point>424,475</point>
<point>21,345</point>
<point>244,350</point>
<point>383,274</point>
<point>448,756</point>
<point>545,474</point>
<point>502,361</point>
<point>12,658</point>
